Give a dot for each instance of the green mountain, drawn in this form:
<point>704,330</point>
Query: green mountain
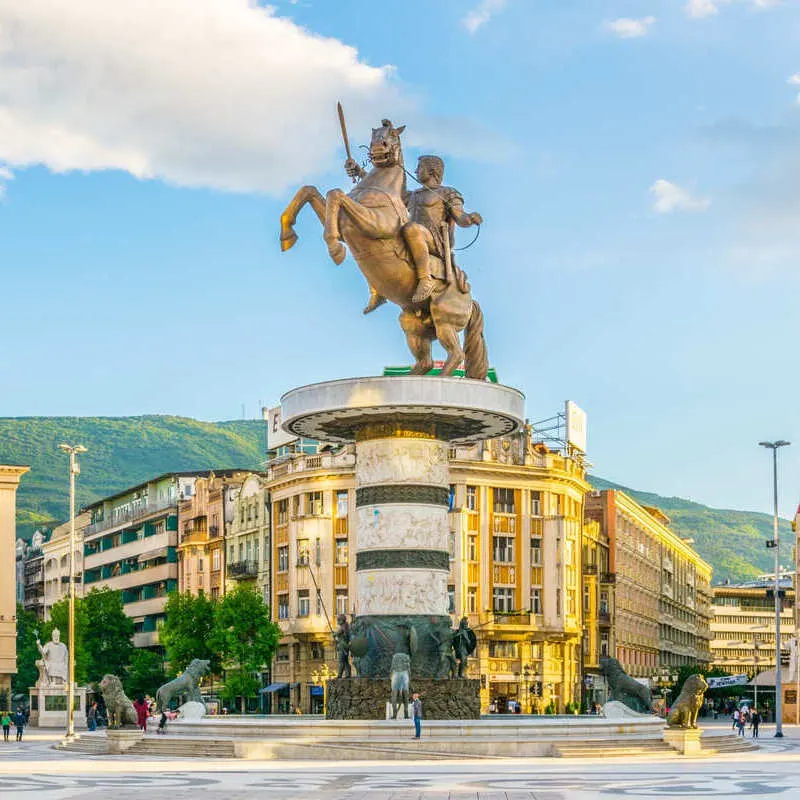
<point>124,451</point>
<point>733,542</point>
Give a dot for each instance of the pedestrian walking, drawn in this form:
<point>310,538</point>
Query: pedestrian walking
<point>19,723</point>
<point>735,718</point>
<point>162,724</point>
<point>416,713</point>
<point>755,721</point>
<point>5,721</point>
<point>91,716</point>
<point>141,713</point>
<point>740,724</point>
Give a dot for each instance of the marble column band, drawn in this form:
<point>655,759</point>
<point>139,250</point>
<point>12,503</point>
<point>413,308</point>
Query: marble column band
<point>402,497</point>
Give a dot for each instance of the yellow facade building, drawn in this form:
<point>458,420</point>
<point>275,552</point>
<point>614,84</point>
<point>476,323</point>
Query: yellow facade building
<point>515,568</point>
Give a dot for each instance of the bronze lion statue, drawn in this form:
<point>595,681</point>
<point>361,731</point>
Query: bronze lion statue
<point>624,689</point>
<point>684,710</point>
<point>185,683</point>
<point>120,710</point>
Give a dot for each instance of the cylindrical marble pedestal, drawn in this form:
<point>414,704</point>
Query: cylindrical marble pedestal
<point>402,427</point>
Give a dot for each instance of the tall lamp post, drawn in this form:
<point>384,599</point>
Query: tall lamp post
<point>74,469</point>
<point>775,543</point>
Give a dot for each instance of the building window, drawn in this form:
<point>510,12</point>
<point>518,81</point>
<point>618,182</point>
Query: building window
<point>472,548</point>
<point>317,651</point>
<point>604,602</point>
<point>283,652</point>
<point>536,551</point>
<point>558,602</point>
<point>216,558</point>
<point>536,600</point>
<point>341,504</point>
<point>283,613</point>
<point>536,504</point>
<point>472,498</point>
<point>199,564</point>
<point>341,601</point>
<point>503,600</point>
<point>556,504</point>
<point>503,501</point>
<point>586,599</point>
<point>472,600</point>
<point>283,511</point>
<point>342,552</point>
<point>604,645</point>
<point>498,649</point>
<point>503,549</point>
<point>302,553</point>
<point>314,504</point>
<point>451,599</point>
<point>283,559</point>
<point>319,603</point>
<point>303,605</point>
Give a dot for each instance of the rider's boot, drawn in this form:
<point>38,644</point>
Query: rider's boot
<point>424,290</point>
<point>375,301</point>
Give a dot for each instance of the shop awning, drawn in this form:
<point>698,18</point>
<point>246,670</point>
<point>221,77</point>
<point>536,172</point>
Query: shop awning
<point>274,687</point>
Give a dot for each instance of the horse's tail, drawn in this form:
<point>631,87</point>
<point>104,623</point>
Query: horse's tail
<point>476,358</point>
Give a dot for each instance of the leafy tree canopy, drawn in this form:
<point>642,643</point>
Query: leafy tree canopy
<point>145,673</point>
<point>187,631</point>
<point>27,652</point>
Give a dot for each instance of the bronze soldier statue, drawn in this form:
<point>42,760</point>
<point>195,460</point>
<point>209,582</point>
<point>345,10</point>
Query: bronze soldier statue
<point>342,637</point>
<point>434,211</point>
<point>464,643</point>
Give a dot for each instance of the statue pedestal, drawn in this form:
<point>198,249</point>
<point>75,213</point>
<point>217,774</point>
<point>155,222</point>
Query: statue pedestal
<point>122,739</point>
<point>49,706</point>
<point>685,740</point>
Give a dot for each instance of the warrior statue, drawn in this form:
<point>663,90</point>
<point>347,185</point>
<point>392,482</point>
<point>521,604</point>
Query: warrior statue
<point>342,637</point>
<point>464,643</point>
<point>434,210</point>
<point>404,252</point>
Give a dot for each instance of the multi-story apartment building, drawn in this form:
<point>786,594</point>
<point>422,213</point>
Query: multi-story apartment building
<point>131,545</point>
<point>204,515</point>
<point>56,562</point>
<point>9,481</point>
<point>743,625</point>
<point>33,573</point>
<point>515,567</point>
<point>247,538</point>
<point>661,610</point>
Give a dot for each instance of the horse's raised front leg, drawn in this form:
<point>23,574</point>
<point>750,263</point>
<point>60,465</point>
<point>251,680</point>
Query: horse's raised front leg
<point>307,194</point>
<point>419,337</point>
<point>449,339</point>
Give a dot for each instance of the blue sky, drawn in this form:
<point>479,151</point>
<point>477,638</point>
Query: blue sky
<point>637,165</point>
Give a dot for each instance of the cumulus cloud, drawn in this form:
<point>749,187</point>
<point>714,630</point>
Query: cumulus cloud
<point>5,176</point>
<point>669,197</point>
<point>217,93</point>
<point>482,13</point>
<point>708,8</point>
<point>627,28</point>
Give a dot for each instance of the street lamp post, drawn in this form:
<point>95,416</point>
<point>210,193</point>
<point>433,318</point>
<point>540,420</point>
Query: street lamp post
<point>774,446</point>
<point>74,470</point>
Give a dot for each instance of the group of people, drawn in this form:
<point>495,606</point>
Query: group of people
<point>18,719</point>
<point>744,715</point>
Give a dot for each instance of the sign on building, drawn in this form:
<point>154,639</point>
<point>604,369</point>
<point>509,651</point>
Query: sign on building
<point>276,436</point>
<point>576,426</point>
<point>727,680</point>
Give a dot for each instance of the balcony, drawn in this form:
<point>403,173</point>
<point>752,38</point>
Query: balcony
<point>604,618</point>
<point>242,569</point>
<point>608,577</point>
<point>129,516</point>
<point>521,619</point>
<point>590,569</point>
<point>145,639</point>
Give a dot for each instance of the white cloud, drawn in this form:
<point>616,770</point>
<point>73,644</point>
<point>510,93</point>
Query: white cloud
<point>794,80</point>
<point>5,176</point>
<point>701,8</point>
<point>708,8</point>
<point>627,28</point>
<point>482,13</point>
<point>669,197</point>
<point>217,93</point>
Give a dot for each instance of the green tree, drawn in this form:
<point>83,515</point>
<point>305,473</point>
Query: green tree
<point>145,673</point>
<point>246,639</point>
<point>27,652</point>
<point>108,638</point>
<point>187,631</point>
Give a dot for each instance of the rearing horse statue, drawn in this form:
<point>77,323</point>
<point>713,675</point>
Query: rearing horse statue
<point>369,221</point>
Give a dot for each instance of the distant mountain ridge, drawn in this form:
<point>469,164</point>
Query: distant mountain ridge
<point>124,451</point>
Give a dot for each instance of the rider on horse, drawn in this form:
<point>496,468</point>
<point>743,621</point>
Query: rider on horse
<point>433,211</point>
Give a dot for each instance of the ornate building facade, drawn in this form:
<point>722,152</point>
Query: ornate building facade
<point>56,563</point>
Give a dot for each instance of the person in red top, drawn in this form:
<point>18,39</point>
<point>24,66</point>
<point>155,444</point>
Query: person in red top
<point>142,712</point>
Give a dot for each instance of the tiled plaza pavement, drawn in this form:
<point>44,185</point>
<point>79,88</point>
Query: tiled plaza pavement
<point>37,771</point>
